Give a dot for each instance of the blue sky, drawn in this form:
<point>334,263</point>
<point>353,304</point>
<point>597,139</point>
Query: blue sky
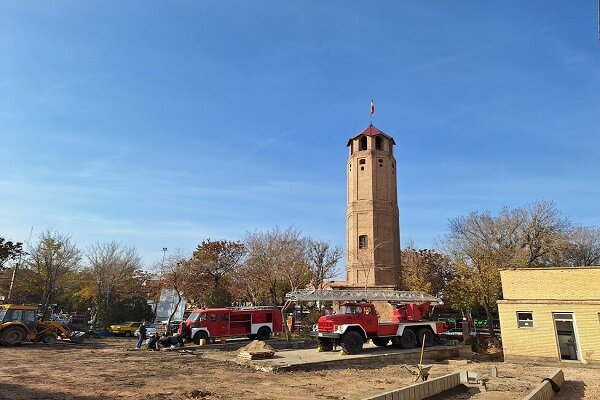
<point>160,124</point>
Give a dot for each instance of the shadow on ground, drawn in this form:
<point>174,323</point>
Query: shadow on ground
<point>571,390</point>
<point>11,391</point>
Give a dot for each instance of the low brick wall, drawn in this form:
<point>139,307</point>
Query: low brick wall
<point>422,390</point>
<point>544,390</point>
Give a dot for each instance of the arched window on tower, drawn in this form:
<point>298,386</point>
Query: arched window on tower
<point>363,242</point>
<point>378,143</point>
<point>363,143</point>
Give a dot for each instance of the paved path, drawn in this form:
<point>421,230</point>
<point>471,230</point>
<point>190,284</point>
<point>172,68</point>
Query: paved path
<point>310,359</point>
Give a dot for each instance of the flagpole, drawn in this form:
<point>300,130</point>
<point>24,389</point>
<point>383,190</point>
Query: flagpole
<point>372,110</point>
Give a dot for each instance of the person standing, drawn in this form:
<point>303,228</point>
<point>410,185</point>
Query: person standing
<point>142,336</point>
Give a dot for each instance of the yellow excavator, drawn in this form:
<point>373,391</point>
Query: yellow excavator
<point>19,323</point>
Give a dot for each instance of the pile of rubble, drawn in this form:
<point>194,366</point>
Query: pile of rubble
<point>256,350</point>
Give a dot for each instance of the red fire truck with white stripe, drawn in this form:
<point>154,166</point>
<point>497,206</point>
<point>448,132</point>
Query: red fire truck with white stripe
<point>357,322</point>
<point>253,322</point>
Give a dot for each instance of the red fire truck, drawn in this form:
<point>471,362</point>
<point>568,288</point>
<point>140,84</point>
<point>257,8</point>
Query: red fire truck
<point>253,322</point>
<point>357,322</point>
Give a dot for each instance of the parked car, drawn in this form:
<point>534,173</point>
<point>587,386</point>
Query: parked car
<point>456,332</point>
<point>124,329</point>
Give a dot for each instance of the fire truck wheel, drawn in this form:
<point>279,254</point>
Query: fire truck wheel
<point>263,333</point>
<point>380,342</point>
<point>352,342</point>
<point>251,337</point>
<point>200,335</point>
<point>427,335</point>
<point>408,340</point>
<point>12,335</point>
<point>325,344</point>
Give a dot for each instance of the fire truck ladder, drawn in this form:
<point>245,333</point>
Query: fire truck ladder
<point>392,296</point>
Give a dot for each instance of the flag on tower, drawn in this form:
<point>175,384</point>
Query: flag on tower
<point>372,107</point>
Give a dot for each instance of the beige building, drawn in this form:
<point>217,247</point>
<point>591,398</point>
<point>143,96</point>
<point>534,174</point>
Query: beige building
<point>372,227</point>
<point>551,315</point>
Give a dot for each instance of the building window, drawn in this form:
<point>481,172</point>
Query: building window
<point>363,242</point>
<point>363,143</point>
<point>352,147</point>
<point>378,143</point>
<point>361,161</point>
<point>525,319</point>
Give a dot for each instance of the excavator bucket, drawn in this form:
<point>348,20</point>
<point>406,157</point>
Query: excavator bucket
<point>77,337</point>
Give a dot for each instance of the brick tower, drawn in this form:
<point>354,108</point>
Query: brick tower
<point>372,227</point>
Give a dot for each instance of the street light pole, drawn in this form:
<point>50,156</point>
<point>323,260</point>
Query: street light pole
<point>164,250</point>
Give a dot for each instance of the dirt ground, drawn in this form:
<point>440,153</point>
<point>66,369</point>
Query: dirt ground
<point>110,369</point>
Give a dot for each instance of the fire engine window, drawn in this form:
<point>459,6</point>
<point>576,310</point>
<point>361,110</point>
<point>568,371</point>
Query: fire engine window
<point>213,317</point>
<point>367,311</point>
<point>363,242</point>
<point>224,317</point>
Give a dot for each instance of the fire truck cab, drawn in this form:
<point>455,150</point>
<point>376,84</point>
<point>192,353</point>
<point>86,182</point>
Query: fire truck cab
<point>253,322</point>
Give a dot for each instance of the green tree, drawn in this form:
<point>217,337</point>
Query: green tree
<point>9,251</point>
<point>49,264</point>
<point>425,270</point>
<point>208,273</point>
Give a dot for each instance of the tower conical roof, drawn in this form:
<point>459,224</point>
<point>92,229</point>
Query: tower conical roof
<point>371,131</point>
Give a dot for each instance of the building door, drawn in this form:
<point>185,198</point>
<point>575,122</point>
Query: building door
<point>566,336</point>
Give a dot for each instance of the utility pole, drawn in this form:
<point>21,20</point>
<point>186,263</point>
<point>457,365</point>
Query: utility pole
<point>14,274</point>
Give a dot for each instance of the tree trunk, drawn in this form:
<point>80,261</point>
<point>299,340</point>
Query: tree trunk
<point>288,334</point>
<point>173,312</point>
<point>466,326</point>
<point>490,323</point>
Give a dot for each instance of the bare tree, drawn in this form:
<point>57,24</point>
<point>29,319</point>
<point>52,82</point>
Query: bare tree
<point>584,248</point>
<point>543,230</point>
<point>175,273</point>
<point>50,260</point>
<point>322,261</point>
<point>484,244</point>
<point>278,259</point>
<point>116,272</point>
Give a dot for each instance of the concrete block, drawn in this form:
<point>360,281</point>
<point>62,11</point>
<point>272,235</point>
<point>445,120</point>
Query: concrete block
<point>544,390</point>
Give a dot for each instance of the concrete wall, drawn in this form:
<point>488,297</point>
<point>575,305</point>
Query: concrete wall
<point>422,390</point>
<point>544,390</point>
